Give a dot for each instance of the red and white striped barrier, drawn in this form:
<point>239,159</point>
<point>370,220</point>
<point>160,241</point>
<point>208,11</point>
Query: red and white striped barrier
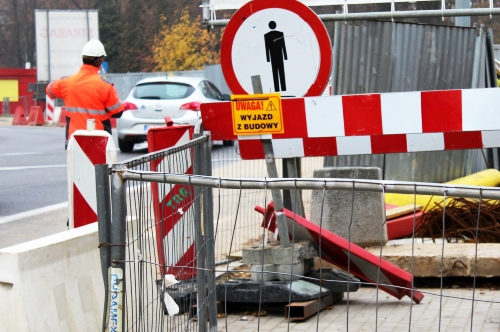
<point>372,124</point>
<point>86,148</point>
<point>173,204</point>
<point>49,109</point>
<point>348,256</point>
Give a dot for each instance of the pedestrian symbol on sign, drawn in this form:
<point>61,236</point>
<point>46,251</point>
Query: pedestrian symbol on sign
<point>295,41</point>
<point>275,53</point>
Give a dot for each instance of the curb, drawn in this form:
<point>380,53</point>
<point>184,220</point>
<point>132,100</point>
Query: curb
<point>6,120</point>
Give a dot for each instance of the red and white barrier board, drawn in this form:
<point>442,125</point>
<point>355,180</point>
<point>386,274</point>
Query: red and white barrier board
<point>173,204</point>
<point>372,124</point>
<point>86,148</point>
<point>348,256</point>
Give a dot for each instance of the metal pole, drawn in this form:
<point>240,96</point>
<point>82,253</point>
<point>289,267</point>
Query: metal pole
<point>491,59</point>
<point>206,10</point>
<point>490,152</point>
<point>201,284</point>
<point>462,21</point>
<point>208,215</point>
<point>393,15</point>
<point>6,106</point>
<point>276,194</point>
<point>400,187</point>
<point>272,171</point>
<point>88,26</point>
<point>478,58</point>
<point>292,167</point>
<point>335,56</point>
<point>115,320</point>
<point>103,224</point>
<point>48,45</point>
<point>25,98</point>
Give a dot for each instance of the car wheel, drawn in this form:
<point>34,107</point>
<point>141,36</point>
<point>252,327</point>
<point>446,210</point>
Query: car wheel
<point>228,143</point>
<point>125,146</point>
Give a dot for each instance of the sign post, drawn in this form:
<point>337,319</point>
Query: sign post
<point>281,48</point>
<point>261,114</point>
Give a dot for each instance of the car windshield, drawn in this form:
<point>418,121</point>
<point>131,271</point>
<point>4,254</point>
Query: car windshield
<point>162,90</point>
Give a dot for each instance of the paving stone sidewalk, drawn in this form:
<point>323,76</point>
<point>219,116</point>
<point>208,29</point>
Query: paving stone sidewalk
<point>392,315</point>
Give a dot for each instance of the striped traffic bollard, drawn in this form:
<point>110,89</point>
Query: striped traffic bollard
<point>49,109</point>
<point>86,148</point>
<point>173,204</point>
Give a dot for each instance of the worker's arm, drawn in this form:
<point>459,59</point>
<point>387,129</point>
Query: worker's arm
<point>54,89</point>
<point>113,104</point>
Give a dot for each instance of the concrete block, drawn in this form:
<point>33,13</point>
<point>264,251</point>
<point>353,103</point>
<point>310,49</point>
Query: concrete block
<point>255,255</point>
<point>310,251</point>
<point>290,255</point>
<point>268,275</point>
<point>368,210</point>
<point>289,272</point>
<point>297,253</point>
<point>53,283</point>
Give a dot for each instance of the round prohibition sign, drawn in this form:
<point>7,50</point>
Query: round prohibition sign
<point>282,41</point>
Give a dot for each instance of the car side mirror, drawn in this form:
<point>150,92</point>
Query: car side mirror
<point>226,97</point>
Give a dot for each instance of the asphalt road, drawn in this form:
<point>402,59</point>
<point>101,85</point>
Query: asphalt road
<point>33,181</point>
<point>33,171</point>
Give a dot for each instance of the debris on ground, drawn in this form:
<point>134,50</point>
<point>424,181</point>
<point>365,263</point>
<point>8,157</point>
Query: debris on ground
<point>461,221</point>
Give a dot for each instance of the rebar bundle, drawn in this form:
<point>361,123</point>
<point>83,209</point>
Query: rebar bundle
<point>463,219</point>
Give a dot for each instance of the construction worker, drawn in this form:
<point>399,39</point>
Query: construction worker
<point>86,95</point>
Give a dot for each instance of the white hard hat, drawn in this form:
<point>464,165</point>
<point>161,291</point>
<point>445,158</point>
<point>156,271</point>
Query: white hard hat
<point>94,48</point>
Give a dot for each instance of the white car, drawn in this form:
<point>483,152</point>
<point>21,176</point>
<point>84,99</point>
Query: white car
<point>152,99</point>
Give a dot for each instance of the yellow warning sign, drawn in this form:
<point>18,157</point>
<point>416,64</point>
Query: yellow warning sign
<point>257,114</point>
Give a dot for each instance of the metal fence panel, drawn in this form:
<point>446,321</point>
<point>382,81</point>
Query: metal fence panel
<point>369,308</point>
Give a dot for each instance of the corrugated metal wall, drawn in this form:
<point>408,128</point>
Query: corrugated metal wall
<point>376,56</point>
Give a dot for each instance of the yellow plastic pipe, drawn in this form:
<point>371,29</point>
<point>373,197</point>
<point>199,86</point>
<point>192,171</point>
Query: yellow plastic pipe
<point>486,178</point>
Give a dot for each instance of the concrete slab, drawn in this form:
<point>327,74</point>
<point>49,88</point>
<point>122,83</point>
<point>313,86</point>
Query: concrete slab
<point>264,272</point>
<point>257,255</point>
<point>458,259</point>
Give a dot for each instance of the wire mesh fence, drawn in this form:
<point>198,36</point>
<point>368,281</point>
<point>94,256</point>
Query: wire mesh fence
<point>186,223</point>
<point>227,163</point>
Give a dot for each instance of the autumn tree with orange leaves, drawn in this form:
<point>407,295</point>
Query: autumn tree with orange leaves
<point>185,45</point>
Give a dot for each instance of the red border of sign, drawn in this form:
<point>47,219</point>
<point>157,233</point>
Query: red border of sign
<point>303,12</point>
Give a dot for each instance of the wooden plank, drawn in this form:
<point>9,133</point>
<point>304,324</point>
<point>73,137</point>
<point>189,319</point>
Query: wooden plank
<point>237,256</point>
<point>303,310</point>
<point>401,211</point>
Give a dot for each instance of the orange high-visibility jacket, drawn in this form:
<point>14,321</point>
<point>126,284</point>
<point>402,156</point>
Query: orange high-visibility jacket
<point>86,96</point>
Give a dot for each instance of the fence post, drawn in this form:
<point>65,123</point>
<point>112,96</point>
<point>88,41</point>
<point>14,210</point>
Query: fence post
<point>103,223</point>
<point>208,216</point>
<point>6,106</point>
<point>115,312</point>
<point>199,242</point>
